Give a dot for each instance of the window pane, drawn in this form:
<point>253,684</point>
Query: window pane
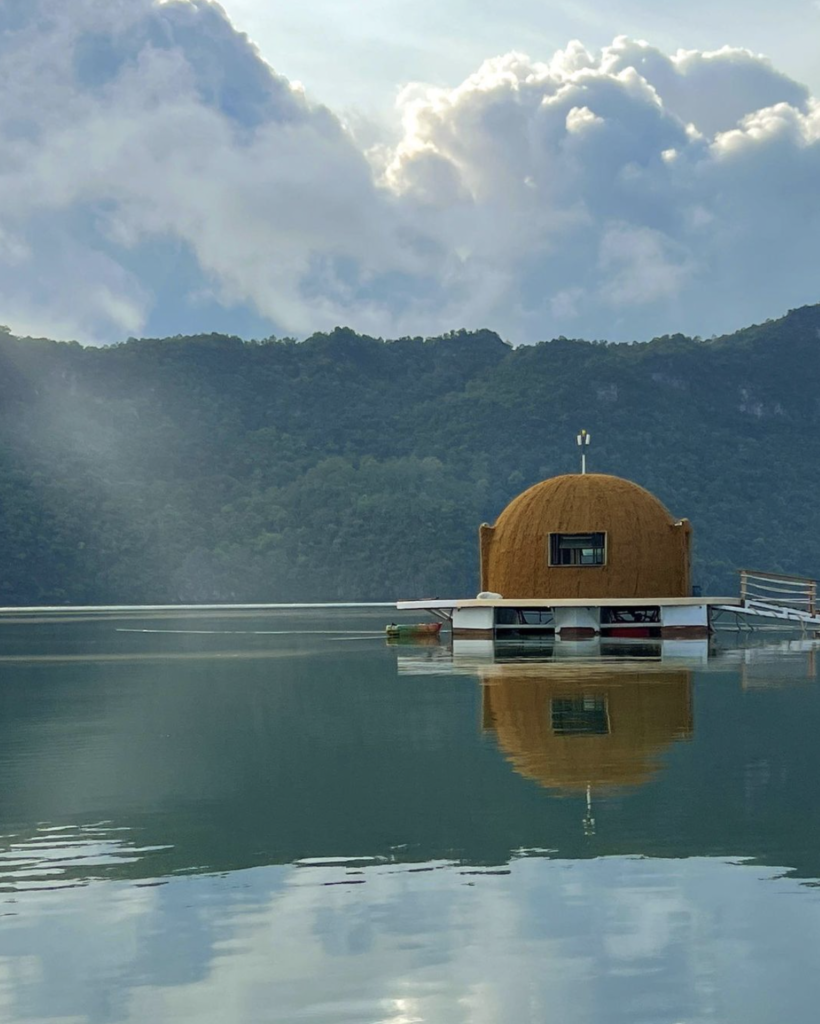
<point>577,548</point>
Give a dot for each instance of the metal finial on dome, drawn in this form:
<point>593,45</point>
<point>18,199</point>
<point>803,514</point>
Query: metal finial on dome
<point>583,440</point>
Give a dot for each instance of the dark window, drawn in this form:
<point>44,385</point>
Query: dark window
<point>580,716</point>
<point>524,617</point>
<point>536,616</point>
<point>524,622</point>
<point>577,548</point>
<point>615,616</point>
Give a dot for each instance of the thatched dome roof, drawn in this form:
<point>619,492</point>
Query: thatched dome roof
<point>644,712</point>
<point>647,548</point>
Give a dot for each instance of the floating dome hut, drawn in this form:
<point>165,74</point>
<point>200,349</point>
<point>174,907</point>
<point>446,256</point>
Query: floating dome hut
<point>587,535</point>
<point>586,555</point>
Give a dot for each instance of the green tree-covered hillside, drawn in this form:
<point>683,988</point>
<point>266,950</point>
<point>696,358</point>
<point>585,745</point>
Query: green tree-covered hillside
<point>346,467</point>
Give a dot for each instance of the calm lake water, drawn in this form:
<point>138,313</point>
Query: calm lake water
<point>277,816</point>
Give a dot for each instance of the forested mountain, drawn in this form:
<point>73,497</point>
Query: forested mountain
<point>350,468</point>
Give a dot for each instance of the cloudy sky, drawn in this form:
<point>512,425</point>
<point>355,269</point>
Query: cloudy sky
<point>616,170</point>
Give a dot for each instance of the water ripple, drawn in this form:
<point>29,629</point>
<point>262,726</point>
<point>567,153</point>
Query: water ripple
<point>67,856</point>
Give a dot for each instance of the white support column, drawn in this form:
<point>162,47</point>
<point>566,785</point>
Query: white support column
<point>682,621</point>
<point>476,622</point>
<point>577,623</point>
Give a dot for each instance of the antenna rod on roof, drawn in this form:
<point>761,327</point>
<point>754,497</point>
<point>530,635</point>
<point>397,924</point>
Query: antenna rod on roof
<point>582,440</point>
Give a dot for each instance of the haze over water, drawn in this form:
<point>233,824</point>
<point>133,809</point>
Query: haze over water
<point>276,816</point>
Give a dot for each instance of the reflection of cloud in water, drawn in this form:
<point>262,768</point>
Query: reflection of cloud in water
<point>616,939</point>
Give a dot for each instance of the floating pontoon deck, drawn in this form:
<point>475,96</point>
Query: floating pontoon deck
<point>765,599</point>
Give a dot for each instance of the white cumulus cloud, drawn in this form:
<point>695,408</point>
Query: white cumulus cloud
<point>132,123</point>
<point>158,175</point>
<point>622,194</point>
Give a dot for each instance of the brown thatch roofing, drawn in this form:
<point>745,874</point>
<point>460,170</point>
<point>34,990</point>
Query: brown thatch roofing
<point>647,549</point>
<point>646,711</point>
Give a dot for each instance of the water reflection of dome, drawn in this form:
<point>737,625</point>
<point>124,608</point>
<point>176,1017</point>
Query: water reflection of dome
<point>568,727</point>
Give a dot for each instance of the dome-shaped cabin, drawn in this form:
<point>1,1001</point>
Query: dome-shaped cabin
<point>586,536</point>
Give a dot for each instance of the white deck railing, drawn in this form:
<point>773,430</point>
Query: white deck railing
<point>795,592</point>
